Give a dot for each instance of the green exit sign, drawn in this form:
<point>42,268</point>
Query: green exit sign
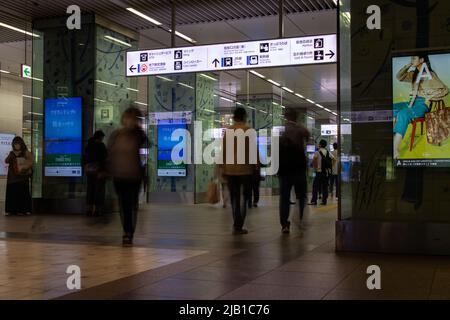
<point>26,71</point>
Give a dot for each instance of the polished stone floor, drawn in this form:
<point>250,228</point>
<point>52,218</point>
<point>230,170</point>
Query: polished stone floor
<point>188,252</point>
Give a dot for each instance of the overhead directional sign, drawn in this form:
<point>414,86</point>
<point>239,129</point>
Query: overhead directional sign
<point>232,56</point>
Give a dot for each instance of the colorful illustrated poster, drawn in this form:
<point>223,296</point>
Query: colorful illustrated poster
<point>421,113</point>
<point>63,137</point>
<point>166,167</point>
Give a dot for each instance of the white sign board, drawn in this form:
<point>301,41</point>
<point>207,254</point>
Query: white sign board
<point>177,117</point>
<point>232,56</point>
<point>332,129</point>
<point>5,149</point>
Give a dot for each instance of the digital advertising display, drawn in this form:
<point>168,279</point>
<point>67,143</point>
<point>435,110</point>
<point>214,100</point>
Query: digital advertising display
<point>421,118</point>
<point>166,167</point>
<point>63,137</point>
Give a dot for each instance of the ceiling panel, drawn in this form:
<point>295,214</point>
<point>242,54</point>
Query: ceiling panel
<point>21,12</point>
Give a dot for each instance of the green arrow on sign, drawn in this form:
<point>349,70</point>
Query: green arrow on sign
<point>27,72</point>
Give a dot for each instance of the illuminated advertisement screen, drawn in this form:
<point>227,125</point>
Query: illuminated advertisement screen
<point>421,126</point>
<point>166,167</point>
<point>63,137</point>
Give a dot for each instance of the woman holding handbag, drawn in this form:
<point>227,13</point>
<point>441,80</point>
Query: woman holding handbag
<point>20,163</point>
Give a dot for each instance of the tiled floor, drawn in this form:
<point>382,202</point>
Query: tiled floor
<point>33,270</point>
<point>188,252</point>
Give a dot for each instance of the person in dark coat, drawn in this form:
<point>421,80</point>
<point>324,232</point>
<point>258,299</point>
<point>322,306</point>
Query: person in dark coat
<point>126,168</point>
<point>95,156</point>
<point>20,163</point>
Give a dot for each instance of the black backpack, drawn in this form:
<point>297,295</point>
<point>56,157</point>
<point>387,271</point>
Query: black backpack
<point>327,163</point>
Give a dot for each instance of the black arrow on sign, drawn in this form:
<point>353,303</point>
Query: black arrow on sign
<point>216,62</point>
<point>331,54</point>
<point>132,68</point>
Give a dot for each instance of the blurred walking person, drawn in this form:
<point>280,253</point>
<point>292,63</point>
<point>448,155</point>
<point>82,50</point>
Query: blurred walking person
<point>292,170</point>
<point>334,178</point>
<point>126,168</point>
<point>223,183</point>
<point>255,186</point>
<point>94,159</point>
<point>239,175</point>
<point>20,163</point>
<point>322,163</point>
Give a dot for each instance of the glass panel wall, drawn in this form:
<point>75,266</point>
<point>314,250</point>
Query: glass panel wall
<point>374,186</point>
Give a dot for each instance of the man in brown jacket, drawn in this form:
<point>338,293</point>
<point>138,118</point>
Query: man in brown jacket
<point>239,158</point>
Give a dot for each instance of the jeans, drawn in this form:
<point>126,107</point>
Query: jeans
<point>128,194</point>
<point>405,115</point>
<point>320,184</point>
<point>298,181</point>
<point>240,187</point>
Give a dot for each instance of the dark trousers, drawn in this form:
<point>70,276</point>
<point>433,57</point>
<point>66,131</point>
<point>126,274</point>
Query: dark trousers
<point>95,192</point>
<point>334,182</point>
<point>254,192</point>
<point>18,198</point>
<point>128,194</point>
<point>239,195</point>
<point>320,185</point>
<point>298,182</point>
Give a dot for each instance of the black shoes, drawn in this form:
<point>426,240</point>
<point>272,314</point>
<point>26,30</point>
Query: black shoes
<point>127,241</point>
<point>240,231</point>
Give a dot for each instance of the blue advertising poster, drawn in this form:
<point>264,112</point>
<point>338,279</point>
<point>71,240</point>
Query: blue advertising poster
<point>166,167</point>
<point>63,137</point>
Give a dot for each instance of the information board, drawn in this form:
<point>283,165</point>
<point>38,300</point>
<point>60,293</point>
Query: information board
<point>5,149</point>
<point>233,56</point>
<point>63,134</point>
<point>166,167</point>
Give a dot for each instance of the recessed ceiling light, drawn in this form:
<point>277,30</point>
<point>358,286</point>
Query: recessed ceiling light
<point>274,83</point>
<point>164,78</point>
<point>144,16</point>
<point>19,30</point>
<point>31,97</point>
<point>310,101</point>
<point>208,77</point>
<point>4,71</point>
<point>112,39</point>
<point>287,89</point>
<point>185,85</point>
<point>226,99</point>
<point>257,74</point>
<point>106,83</point>
<point>299,95</point>
<point>183,36</point>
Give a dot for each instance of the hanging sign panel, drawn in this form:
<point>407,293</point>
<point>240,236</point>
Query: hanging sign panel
<point>233,56</point>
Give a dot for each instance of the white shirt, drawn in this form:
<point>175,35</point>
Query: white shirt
<point>335,162</point>
<point>317,160</point>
